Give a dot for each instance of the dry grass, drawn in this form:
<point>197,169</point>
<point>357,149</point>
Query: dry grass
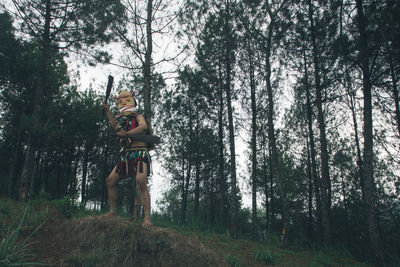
<point>92,241</point>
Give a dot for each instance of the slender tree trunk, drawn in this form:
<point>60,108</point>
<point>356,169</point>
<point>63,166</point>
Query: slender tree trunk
<point>276,168</point>
<point>253,143</point>
<point>314,173</point>
<point>190,151</point>
<point>325,182</point>
<point>271,188</point>
<point>395,92</point>
<point>228,89</point>
<point>267,210</point>
<point>33,183</point>
<point>147,63</point>
<point>103,199</point>
<point>212,196</point>
<point>310,228</point>
<point>221,160</point>
<point>187,181</point>
<point>197,167</point>
<point>346,216</point>
<point>183,206</point>
<point>72,187</point>
<point>40,91</point>
<point>369,183</point>
<point>356,140</point>
<point>84,176</point>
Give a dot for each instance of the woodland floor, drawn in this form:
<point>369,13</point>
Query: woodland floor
<point>91,241</point>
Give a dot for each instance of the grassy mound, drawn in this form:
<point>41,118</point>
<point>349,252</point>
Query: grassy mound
<point>38,233</point>
<point>92,241</point>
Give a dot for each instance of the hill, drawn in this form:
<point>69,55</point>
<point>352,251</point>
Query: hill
<point>45,235</point>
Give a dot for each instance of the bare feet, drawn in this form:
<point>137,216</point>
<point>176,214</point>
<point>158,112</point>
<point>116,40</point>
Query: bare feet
<point>109,215</point>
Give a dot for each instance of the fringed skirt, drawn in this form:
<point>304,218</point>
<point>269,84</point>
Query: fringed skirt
<point>128,164</point>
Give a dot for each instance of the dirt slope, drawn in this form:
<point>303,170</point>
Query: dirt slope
<point>92,241</point>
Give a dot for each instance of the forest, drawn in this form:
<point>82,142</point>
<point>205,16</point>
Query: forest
<point>293,103</point>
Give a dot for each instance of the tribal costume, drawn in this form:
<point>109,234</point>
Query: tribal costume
<point>130,156</point>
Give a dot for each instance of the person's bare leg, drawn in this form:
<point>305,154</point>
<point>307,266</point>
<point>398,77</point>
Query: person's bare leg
<point>112,189</point>
<point>141,181</point>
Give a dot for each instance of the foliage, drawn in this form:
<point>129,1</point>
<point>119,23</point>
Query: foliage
<point>267,257</point>
<point>233,260</point>
<point>68,205</point>
<point>14,252</point>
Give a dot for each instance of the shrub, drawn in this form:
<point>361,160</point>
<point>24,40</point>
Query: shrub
<point>233,260</point>
<point>266,256</point>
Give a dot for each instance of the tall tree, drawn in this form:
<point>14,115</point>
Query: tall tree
<point>325,181</point>
<point>368,162</point>
<point>57,24</point>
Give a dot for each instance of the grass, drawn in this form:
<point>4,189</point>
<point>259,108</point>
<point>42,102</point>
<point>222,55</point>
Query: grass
<point>23,222</point>
<point>14,252</point>
<point>246,252</point>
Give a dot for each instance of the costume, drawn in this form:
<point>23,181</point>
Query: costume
<point>130,156</point>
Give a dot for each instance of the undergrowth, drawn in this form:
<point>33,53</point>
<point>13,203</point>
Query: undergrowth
<point>244,251</point>
<point>14,252</point>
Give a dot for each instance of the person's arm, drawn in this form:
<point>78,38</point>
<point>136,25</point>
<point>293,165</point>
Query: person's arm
<point>113,121</point>
<point>141,128</point>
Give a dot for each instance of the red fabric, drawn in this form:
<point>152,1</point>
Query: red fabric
<point>133,123</point>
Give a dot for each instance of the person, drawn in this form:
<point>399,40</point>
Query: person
<point>135,159</point>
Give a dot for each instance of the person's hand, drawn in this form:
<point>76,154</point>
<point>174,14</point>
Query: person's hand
<point>121,133</point>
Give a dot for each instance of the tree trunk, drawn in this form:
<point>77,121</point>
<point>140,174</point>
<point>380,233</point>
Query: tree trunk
<point>103,199</point>
<point>395,92</point>
<point>84,176</point>
<point>267,210</point>
<point>221,160</point>
<point>276,168</point>
<point>183,206</point>
<point>325,182</point>
<point>314,173</point>
<point>271,188</point>
<point>369,183</point>
<point>228,88</point>
<point>40,91</point>
<point>347,237</point>
<point>356,139</point>
<point>197,167</point>
<point>310,228</point>
<point>253,143</point>
<point>147,63</point>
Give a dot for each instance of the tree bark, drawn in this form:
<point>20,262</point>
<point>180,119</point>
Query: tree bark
<point>221,160</point>
<point>147,63</point>
<point>276,168</point>
<point>183,206</point>
<point>325,182</point>
<point>40,91</point>
<point>368,170</point>
<point>395,92</point>
<point>253,143</point>
<point>315,177</point>
<point>228,88</point>
<point>356,139</point>
<point>197,168</point>
<point>84,175</point>
<point>310,228</point>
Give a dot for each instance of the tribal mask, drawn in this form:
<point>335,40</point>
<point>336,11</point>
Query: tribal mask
<point>126,102</point>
